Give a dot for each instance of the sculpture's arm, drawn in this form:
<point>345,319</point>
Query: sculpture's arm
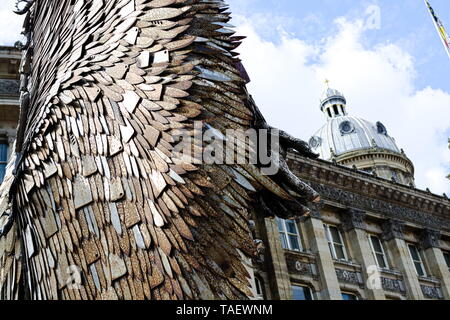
<point>286,142</point>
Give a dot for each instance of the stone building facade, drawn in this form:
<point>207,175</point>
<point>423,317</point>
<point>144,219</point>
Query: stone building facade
<point>9,102</point>
<point>369,239</point>
<point>374,235</point>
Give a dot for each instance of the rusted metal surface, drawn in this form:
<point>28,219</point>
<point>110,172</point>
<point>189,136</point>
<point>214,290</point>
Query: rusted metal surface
<point>95,186</point>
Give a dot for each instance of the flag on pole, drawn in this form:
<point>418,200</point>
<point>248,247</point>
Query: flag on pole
<point>440,28</point>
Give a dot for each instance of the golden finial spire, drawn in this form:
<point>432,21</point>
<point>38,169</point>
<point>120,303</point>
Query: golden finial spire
<point>327,82</point>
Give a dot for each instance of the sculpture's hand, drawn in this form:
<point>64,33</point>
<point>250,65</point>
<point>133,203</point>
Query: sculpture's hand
<point>291,180</point>
<point>289,142</point>
<point>301,189</point>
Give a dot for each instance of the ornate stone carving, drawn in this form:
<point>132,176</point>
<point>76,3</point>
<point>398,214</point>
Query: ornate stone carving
<point>350,277</point>
<point>392,229</point>
<point>315,210</point>
<point>302,267</point>
<point>296,266</point>
<point>432,292</point>
<point>9,87</point>
<point>354,219</point>
<point>430,238</point>
<point>393,285</point>
<point>6,135</point>
<point>387,209</point>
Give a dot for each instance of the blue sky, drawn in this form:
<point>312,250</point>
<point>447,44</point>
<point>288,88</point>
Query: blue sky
<point>406,23</point>
<point>395,72</point>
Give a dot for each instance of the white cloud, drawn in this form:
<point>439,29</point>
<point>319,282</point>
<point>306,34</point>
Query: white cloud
<point>434,177</point>
<point>10,23</point>
<point>287,81</point>
<point>378,82</point>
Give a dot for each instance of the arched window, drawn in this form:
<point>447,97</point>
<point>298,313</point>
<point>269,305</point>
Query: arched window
<point>3,158</point>
<point>336,111</point>
<point>395,176</point>
<point>346,127</point>
<point>381,128</point>
<point>259,284</point>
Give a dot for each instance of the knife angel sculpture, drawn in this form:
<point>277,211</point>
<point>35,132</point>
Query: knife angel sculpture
<point>96,204</point>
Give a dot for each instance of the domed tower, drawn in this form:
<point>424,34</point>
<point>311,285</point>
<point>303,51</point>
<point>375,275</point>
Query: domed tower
<point>352,141</point>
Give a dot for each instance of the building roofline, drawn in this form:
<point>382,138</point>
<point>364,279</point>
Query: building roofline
<point>11,48</point>
<point>374,151</point>
<point>9,52</point>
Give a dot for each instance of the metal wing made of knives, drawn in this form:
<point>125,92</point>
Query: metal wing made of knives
<point>95,205</point>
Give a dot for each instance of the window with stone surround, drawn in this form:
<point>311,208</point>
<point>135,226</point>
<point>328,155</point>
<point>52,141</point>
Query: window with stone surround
<point>349,296</point>
<point>301,292</point>
<point>447,259</point>
<point>392,298</point>
<point>417,260</point>
<point>335,242</point>
<point>289,235</point>
<point>378,252</point>
<point>259,287</point>
<point>3,158</point>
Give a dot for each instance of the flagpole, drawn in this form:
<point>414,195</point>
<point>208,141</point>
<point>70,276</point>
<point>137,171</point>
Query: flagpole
<point>428,5</point>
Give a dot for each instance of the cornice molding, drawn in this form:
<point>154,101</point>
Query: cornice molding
<point>386,209</point>
<point>430,238</point>
<point>413,201</point>
<point>354,219</point>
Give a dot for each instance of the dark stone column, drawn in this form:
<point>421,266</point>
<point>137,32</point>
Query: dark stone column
<point>429,241</point>
<point>430,238</point>
<point>354,219</point>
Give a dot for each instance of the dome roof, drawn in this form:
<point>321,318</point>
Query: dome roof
<point>330,98</point>
<point>358,143</point>
<point>344,134</point>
